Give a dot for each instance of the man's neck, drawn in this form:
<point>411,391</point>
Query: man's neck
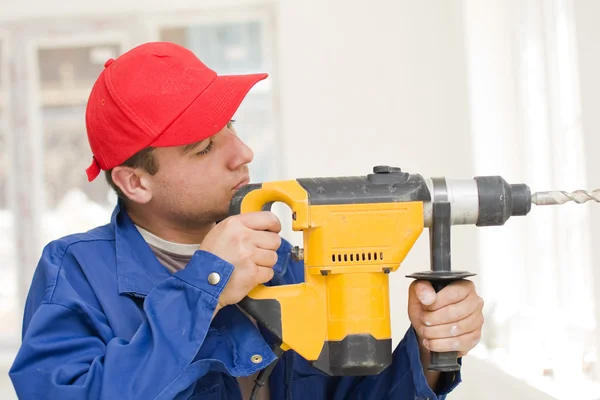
<point>157,242</point>
<point>166,230</point>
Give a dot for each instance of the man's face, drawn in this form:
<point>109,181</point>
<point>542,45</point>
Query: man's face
<point>195,183</point>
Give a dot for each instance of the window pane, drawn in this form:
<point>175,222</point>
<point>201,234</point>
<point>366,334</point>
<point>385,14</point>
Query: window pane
<point>228,48</point>
<point>66,77</point>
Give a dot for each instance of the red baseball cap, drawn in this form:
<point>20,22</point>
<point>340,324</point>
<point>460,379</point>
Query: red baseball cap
<point>158,94</point>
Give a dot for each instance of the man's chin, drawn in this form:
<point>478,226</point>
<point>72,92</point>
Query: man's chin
<point>218,217</point>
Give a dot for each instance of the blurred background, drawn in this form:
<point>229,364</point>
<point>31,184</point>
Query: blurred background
<point>452,88</point>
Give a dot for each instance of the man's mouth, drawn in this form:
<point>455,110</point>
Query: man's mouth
<point>243,182</point>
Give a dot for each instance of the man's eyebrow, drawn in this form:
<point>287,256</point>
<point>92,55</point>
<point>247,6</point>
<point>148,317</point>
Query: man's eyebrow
<point>188,148</point>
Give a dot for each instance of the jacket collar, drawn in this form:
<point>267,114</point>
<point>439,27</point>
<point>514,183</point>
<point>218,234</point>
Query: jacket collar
<point>138,269</point>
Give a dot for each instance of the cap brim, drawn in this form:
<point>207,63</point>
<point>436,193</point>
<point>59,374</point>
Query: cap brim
<point>210,112</point>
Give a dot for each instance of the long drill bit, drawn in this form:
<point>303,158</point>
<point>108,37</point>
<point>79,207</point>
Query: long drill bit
<point>558,197</point>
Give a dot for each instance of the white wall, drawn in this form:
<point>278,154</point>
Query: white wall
<point>367,83</point>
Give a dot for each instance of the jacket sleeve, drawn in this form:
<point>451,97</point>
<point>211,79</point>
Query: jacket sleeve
<point>70,352</point>
<point>403,379</point>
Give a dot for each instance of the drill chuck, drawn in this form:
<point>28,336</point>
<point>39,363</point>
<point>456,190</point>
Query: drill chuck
<point>481,201</point>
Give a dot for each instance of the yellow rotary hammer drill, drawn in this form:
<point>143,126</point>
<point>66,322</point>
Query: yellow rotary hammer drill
<point>356,230</point>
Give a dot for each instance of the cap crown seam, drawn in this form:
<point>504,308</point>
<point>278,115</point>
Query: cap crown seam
<point>131,115</point>
<point>188,106</point>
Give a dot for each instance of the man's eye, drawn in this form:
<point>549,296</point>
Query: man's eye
<point>230,123</point>
<point>206,149</point>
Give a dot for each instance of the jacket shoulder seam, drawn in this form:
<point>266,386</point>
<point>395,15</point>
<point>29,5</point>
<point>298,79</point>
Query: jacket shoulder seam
<point>55,303</point>
<point>73,310</point>
<point>62,258</point>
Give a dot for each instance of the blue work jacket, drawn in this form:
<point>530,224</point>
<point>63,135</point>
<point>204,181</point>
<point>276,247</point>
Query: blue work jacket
<point>105,320</point>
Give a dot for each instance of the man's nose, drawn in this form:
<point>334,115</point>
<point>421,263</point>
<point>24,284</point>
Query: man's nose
<point>240,153</point>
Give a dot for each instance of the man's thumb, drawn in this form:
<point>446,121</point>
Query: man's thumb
<point>425,293</point>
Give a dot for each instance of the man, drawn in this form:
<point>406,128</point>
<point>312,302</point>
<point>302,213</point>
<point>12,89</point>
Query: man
<point>145,306</point>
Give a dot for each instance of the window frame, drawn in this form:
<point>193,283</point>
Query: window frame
<point>5,107</point>
<point>9,344</point>
<point>115,36</point>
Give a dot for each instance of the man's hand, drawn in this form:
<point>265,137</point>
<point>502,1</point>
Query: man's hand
<point>249,241</point>
<point>450,320</point>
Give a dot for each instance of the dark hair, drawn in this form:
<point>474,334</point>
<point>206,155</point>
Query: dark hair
<point>143,159</point>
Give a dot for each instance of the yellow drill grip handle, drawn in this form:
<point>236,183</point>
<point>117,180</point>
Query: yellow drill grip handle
<point>285,310</point>
<point>260,196</point>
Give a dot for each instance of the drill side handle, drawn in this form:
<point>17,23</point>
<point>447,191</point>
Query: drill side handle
<point>441,274</point>
<point>441,261</point>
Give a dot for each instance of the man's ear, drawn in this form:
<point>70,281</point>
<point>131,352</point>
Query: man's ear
<point>133,183</point>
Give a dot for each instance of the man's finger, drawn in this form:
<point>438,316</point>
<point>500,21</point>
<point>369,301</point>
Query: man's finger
<point>468,324</point>
<point>454,312</point>
<point>452,293</point>
<point>264,258</point>
<point>463,343</point>
<point>266,240</point>
<point>261,221</point>
<point>264,274</point>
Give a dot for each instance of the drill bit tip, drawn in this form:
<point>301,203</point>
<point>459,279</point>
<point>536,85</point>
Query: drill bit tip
<point>559,197</point>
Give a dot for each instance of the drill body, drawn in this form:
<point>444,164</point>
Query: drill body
<point>356,231</point>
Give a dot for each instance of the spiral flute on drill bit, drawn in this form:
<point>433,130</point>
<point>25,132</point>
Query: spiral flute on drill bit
<point>559,197</point>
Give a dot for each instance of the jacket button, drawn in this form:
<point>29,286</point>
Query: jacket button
<point>214,278</point>
<point>256,358</point>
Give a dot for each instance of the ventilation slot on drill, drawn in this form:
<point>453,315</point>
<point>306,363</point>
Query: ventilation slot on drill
<point>357,257</point>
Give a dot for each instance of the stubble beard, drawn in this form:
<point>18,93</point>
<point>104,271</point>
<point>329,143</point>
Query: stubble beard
<point>194,220</point>
<point>200,217</point>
